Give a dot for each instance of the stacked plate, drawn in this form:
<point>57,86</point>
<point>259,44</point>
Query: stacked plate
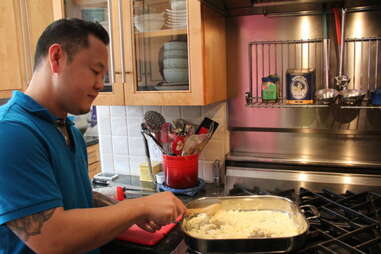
<point>176,19</point>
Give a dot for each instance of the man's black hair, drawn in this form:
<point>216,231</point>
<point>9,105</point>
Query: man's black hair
<point>72,34</point>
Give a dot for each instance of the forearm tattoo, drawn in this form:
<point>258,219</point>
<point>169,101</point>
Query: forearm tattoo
<point>100,200</point>
<point>30,225</point>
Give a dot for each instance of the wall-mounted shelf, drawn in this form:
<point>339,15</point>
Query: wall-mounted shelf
<point>361,64</point>
<point>280,105</point>
<point>361,107</point>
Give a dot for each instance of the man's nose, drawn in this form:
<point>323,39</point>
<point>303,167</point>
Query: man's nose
<point>99,84</point>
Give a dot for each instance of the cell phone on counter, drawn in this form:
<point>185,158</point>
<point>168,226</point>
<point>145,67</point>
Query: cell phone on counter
<point>206,126</point>
<point>106,176</point>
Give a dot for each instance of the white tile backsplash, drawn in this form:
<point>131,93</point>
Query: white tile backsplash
<point>171,111</point>
<point>104,125</point>
<point>136,146</point>
<point>152,108</point>
<point>122,164</point>
<point>118,111</point>
<point>134,127</point>
<point>135,111</point>
<point>121,143</point>
<point>118,126</point>
<point>105,143</point>
<point>190,112</point>
<point>107,162</point>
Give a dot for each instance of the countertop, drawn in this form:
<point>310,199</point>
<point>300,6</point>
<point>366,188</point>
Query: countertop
<point>91,140</point>
<point>173,239</point>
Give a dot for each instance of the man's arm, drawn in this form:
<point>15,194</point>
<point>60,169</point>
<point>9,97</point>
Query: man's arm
<point>100,200</point>
<point>80,230</point>
<point>30,225</point>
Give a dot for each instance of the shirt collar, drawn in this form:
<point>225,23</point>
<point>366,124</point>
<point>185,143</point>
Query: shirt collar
<point>27,102</point>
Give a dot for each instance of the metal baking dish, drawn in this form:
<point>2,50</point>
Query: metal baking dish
<point>255,244</point>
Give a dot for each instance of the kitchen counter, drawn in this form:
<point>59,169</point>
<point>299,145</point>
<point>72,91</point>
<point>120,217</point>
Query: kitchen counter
<point>91,140</point>
<point>175,236</point>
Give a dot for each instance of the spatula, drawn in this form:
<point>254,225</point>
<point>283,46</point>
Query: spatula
<point>209,210</point>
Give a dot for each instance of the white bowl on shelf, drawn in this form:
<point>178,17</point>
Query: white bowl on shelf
<point>173,63</point>
<point>94,14</point>
<point>178,4</point>
<point>170,45</point>
<point>176,53</point>
<point>179,12</point>
<point>175,19</point>
<point>176,75</point>
<point>149,22</point>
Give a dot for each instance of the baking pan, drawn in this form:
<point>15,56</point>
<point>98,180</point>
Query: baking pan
<point>252,244</point>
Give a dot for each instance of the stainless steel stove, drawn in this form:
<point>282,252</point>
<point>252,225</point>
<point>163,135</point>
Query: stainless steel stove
<point>348,222</point>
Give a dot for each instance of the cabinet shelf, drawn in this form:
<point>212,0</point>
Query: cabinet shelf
<point>162,33</point>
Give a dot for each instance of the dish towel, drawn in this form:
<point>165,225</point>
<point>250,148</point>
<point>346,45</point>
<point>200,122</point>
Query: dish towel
<point>188,191</point>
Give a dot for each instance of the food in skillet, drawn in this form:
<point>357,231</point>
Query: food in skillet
<point>233,224</point>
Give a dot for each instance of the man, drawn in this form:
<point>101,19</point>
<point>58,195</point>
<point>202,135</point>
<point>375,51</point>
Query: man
<point>45,194</point>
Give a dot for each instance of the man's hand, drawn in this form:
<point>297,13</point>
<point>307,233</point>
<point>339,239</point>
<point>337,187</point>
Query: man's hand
<point>160,209</point>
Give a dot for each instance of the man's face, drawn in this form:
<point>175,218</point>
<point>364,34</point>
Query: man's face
<point>83,78</point>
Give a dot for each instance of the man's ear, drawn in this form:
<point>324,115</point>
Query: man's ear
<point>56,57</point>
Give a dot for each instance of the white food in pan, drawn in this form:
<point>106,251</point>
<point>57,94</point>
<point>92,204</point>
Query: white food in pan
<point>230,224</point>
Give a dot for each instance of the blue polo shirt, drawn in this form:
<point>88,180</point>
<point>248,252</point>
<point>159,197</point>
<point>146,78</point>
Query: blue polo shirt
<point>38,171</point>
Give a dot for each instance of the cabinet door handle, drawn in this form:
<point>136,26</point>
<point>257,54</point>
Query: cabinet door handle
<point>121,38</point>
<point>112,64</point>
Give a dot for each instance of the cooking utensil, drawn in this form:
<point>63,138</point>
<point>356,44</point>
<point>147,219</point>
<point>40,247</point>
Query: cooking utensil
<point>352,96</point>
<point>209,210</point>
<point>148,157</point>
<point>327,95</point>
<point>154,120</point>
<point>148,133</point>
<point>252,244</point>
<point>342,80</point>
<point>165,138</point>
<point>325,45</point>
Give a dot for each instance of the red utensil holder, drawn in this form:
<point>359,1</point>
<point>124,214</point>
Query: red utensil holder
<point>181,171</point>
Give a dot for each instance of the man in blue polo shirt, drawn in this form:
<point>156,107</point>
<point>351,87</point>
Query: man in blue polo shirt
<point>45,194</point>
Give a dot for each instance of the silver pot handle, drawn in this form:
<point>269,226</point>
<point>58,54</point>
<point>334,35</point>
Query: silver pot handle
<point>313,209</point>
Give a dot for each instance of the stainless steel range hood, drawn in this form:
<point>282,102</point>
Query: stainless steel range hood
<point>290,7</point>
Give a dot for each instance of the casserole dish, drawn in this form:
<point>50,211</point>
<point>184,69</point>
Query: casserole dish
<point>253,244</point>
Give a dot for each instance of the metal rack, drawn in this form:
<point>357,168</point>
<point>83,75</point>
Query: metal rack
<point>361,64</point>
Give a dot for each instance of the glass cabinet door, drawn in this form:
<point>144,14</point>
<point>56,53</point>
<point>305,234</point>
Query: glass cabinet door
<point>160,45</point>
<point>92,10</point>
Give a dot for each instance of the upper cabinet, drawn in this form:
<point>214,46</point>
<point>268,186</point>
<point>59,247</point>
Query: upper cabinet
<point>162,52</point>
<point>21,23</point>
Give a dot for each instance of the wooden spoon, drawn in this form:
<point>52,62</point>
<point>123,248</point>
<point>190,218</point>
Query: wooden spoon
<point>209,210</point>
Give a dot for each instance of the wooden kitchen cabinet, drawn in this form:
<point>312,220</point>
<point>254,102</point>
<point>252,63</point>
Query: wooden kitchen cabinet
<point>21,23</point>
<point>93,157</point>
<point>139,72</point>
